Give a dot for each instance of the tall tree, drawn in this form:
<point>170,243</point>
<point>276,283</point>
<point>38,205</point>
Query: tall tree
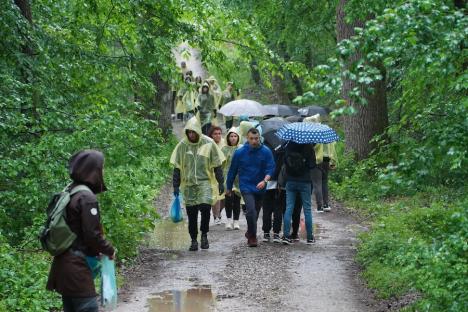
<point>371,118</point>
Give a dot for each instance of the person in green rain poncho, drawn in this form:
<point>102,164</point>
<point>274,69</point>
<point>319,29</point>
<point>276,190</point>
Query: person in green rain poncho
<point>206,107</point>
<point>326,159</point>
<point>197,162</point>
<point>232,202</point>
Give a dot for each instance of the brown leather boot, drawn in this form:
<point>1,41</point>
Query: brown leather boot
<point>252,241</point>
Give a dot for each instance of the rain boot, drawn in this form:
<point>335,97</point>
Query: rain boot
<point>204,242</point>
<point>194,245</point>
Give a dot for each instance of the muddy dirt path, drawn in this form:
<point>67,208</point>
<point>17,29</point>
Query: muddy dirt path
<point>233,277</point>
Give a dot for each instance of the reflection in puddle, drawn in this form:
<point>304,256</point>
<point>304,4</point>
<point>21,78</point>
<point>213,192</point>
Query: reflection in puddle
<point>169,235</point>
<point>190,300</point>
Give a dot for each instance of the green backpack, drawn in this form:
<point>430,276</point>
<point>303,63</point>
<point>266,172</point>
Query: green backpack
<point>56,236</point>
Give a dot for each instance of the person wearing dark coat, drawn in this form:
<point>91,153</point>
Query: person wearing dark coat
<point>70,274</point>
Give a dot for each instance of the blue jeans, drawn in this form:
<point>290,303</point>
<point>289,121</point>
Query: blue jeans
<point>253,204</point>
<point>305,191</point>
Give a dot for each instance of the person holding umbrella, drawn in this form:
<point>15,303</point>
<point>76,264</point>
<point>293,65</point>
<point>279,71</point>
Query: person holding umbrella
<point>326,160</point>
<point>254,164</point>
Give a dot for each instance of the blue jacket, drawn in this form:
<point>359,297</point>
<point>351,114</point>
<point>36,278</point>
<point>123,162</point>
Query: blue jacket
<point>252,165</point>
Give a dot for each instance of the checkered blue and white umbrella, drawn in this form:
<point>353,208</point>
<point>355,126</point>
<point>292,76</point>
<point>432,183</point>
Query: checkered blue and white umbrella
<point>305,133</point>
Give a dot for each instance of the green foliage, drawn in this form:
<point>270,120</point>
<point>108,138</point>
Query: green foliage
<point>24,276</point>
<point>422,248</point>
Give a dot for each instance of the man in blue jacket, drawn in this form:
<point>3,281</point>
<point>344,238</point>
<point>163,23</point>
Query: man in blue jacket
<point>255,165</point>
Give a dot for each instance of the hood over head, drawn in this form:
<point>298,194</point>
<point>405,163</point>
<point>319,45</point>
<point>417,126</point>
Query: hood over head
<point>315,118</point>
<point>236,131</point>
<point>244,127</point>
<point>211,79</point>
<point>86,167</point>
<point>194,125</point>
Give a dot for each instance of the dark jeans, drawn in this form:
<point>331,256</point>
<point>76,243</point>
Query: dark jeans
<point>272,205</point>
<point>232,205</point>
<point>73,304</point>
<point>253,204</point>
<point>192,214</point>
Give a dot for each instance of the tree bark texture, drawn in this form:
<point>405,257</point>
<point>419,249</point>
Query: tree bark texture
<point>162,103</point>
<point>371,119</point>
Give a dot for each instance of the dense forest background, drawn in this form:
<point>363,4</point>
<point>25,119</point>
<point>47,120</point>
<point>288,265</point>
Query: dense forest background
<point>100,74</point>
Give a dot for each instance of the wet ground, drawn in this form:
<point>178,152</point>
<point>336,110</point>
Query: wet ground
<point>233,277</point>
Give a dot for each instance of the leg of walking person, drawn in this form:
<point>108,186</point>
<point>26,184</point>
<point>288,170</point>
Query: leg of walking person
<point>290,200</point>
<point>251,217</point>
<point>73,304</point>
<point>236,211</point>
<point>258,207</point>
<point>277,216</point>
<point>228,203</point>
<point>307,205</point>
<point>325,169</point>
<point>296,218</point>
<point>204,225</point>
<point>192,215</point>
<point>317,182</point>
<point>216,213</point>
<point>268,205</point>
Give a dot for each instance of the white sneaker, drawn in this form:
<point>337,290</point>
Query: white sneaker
<point>217,221</point>
<point>236,225</point>
<point>326,208</point>
<point>229,224</point>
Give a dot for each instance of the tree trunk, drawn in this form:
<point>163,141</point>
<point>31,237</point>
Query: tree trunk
<point>371,119</point>
<point>279,87</point>
<point>255,73</point>
<point>162,103</point>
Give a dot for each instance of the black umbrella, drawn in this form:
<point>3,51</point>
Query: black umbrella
<point>313,110</point>
<point>272,140</point>
<point>273,124</point>
<point>294,118</point>
<point>280,110</point>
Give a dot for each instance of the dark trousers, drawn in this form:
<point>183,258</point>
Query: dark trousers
<point>232,205</point>
<point>192,214</point>
<point>272,206</point>
<point>325,166</point>
<point>296,216</point>
<point>73,304</point>
<point>253,204</point>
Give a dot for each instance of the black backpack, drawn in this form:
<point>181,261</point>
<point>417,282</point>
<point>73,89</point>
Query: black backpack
<point>296,164</point>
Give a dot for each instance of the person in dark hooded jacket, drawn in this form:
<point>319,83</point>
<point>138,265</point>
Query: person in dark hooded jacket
<point>70,274</point>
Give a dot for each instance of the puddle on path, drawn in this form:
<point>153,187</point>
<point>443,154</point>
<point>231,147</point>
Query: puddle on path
<point>168,235</point>
<point>190,300</point>
<point>317,228</point>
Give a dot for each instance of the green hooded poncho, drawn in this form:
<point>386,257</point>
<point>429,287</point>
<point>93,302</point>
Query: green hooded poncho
<point>196,162</point>
<point>206,105</point>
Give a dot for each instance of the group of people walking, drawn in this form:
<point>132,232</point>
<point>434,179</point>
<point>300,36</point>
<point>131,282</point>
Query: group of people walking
<point>202,98</point>
<point>215,172</point>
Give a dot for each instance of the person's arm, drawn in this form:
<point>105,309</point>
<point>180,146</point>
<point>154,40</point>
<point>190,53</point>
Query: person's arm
<point>220,178</point>
<point>269,170</point>
<point>176,180</point>
<point>91,227</point>
<point>232,171</point>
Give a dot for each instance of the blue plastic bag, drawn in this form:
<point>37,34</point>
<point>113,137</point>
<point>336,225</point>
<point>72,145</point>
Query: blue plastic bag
<point>175,213</point>
<point>108,283</point>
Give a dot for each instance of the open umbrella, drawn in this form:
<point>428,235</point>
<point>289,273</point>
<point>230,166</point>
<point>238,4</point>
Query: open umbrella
<point>242,107</point>
<point>312,110</point>
<point>305,133</point>
<point>280,110</point>
<point>273,124</point>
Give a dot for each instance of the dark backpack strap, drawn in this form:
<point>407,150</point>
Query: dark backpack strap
<point>80,188</point>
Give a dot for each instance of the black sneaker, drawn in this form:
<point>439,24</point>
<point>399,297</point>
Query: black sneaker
<point>294,237</point>
<point>286,241</point>
<point>311,241</point>
<point>276,238</point>
<point>204,242</point>
<point>194,245</point>
<point>266,237</point>
<point>319,209</point>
